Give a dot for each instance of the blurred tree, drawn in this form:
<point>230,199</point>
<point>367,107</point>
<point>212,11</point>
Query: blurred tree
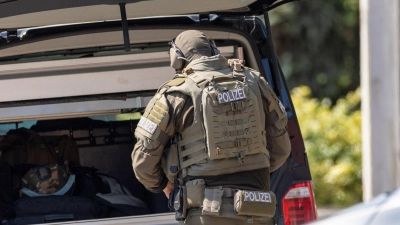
<point>318,45</point>
<point>333,142</point>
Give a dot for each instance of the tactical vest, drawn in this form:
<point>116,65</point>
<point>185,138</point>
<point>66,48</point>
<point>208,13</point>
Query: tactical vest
<point>228,131</point>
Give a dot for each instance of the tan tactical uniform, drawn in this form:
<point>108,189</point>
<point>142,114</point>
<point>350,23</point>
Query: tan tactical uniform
<point>176,110</point>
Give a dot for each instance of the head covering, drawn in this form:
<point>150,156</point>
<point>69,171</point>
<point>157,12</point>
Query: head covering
<point>46,179</point>
<point>193,44</point>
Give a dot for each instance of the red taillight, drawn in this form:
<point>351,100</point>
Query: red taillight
<point>299,205</point>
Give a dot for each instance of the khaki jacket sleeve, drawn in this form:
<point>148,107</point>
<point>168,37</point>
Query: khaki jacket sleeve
<point>278,142</point>
<point>156,126</point>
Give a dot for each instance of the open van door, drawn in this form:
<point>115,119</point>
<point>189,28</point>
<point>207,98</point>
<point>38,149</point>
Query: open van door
<point>15,14</point>
<point>61,61</point>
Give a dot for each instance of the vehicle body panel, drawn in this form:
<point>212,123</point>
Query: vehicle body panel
<point>153,219</point>
<point>27,13</point>
<point>383,209</point>
<point>70,83</point>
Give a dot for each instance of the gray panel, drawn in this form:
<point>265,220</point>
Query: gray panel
<point>68,110</point>
<point>28,13</point>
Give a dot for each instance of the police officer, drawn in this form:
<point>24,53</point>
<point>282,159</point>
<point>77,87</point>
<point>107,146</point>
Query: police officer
<point>225,130</point>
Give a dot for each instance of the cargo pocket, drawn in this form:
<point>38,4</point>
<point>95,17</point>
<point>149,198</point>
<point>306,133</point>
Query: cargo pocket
<point>170,163</point>
<point>277,115</point>
<point>280,125</point>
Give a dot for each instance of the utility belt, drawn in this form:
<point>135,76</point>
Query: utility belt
<point>217,201</point>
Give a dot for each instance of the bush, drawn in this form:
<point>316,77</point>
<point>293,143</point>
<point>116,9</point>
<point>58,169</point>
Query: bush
<point>318,44</point>
<point>332,136</point>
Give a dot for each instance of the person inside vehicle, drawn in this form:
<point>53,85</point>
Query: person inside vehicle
<point>211,136</point>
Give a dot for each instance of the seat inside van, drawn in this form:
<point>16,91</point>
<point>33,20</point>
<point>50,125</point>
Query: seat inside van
<point>105,143</point>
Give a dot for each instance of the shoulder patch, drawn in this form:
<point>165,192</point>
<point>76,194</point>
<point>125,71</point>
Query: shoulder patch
<point>147,125</point>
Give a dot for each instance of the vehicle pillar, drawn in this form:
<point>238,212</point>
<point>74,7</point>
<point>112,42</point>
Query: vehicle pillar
<point>380,84</point>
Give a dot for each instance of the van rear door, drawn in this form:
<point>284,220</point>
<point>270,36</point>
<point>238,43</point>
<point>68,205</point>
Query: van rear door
<point>15,14</point>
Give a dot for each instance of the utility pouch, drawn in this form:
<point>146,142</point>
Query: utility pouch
<point>212,201</point>
<point>195,193</point>
<point>255,203</point>
<point>170,163</point>
<point>178,200</point>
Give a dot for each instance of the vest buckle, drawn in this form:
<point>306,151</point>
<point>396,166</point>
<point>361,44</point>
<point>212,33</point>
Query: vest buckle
<point>237,105</point>
<point>240,156</point>
<point>236,64</point>
<point>234,106</point>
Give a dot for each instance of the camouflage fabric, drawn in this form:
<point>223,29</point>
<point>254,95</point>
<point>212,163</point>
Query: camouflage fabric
<point>45,179</point>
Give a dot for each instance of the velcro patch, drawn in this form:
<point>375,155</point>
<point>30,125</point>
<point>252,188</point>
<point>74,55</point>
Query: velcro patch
<point>147,125</point>
<point>257,196</point>
<point>282,107</point>
<point>231,95</point>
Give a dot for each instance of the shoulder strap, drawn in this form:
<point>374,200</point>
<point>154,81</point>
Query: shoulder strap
<point>198,79</point>
<point>176,81</point>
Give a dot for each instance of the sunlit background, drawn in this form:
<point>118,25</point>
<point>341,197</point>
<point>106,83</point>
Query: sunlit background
<point>318,46</point>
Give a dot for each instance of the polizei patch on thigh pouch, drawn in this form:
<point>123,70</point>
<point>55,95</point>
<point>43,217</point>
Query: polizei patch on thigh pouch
<point>257,196</point>
<point>255,203</point>
<point>147,125</point>
<point>231,95</point>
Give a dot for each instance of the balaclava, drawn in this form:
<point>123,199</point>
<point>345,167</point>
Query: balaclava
<point>193,44</point>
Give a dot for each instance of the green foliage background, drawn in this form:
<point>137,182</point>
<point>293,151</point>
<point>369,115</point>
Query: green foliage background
<point>317,43</point>
<point>333,142</point>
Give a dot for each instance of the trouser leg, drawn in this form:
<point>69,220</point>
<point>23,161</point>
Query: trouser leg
<point>208,220</point>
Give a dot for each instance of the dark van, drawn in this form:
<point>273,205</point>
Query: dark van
<point>85,70</point>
